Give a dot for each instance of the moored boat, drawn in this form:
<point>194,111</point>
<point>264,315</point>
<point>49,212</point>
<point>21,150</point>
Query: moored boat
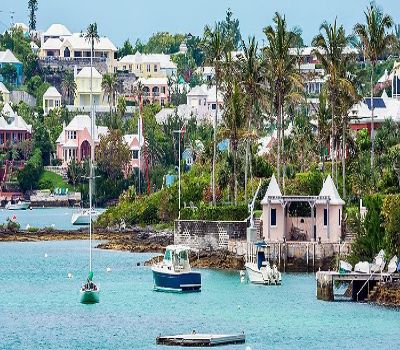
<point>20,205</point>
<point>260,272</point>
<point>392,266</point>
<point>379,262</point>
<point>362,266</point>
<point>89,291</point>
<point>82,217</point>
<point>174,272</point>
<point>345,267</point>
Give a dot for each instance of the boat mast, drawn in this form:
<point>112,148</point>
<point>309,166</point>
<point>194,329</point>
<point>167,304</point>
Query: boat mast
<point>91,155</point>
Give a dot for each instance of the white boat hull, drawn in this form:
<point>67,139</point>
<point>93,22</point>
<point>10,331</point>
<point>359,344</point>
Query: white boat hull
<point>83,218</point>
<point>263,275</point>
<point>18,206</point>
<point>363,267</point>
<point>392,266</point>
<point>345,266</point>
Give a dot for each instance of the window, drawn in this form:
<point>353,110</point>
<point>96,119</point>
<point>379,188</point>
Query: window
<point>339,217</point>
<point>155,68</point>
<point>325,217</point>
<point>213,106</point>
<point>148,68</point>
<point>273,217</point>
<point>135,154</point>
<point>163,89</point>
<point>57,103</point>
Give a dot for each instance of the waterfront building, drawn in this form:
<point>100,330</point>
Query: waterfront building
<point>4,93</point>
<point>13,128</point>
<point>302,218</point>
<point>51,100</point>
<point>7,57</point>
<point>76,139</point>
<point>147,65</point>
<point>58,43</point>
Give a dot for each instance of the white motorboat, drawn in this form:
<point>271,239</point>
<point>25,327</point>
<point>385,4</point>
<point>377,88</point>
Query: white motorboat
<point>82,217</point>
<point>392,266</point>
<point>20,205</point>
<point>345,267</point>
<point>379,262</point>
<point>362,266</point>
<point>260,272</point>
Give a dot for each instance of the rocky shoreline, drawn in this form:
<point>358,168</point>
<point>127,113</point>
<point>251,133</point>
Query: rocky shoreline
<point>387,294</point>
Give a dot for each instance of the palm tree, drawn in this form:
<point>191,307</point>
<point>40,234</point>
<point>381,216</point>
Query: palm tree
<point>68,86</point>
<point>280,72</point>
<point>251,80</point>
<point>330,45</point>
<point>109,85</point>
<point>215,45</point>
<point>375,40</point>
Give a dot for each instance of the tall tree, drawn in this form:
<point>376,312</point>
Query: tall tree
<point>280,72</point>
<point>109,84</point>
<point>32,8</point>
<point>68,86</point>
<point>215,47</point>
<point>375,41</point>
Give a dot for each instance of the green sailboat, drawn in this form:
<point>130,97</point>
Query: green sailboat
<point>89,291</point>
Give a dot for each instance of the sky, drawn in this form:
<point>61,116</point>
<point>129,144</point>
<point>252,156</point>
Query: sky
<point>122,19</point>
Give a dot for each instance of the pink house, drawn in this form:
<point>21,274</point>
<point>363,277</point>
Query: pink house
<point>318,219</point>
<point>155,90</point>
<point>135,143</point>
<point>75,140</point>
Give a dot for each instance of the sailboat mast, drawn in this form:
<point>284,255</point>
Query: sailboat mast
<point>91,156</point>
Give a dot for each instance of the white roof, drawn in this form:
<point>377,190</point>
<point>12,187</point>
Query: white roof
<point>85,73</point>
<point>22,26</point>
<point>137,58</point>
<point>197,91</point>
<point>57,30</point>
<point>186,112</point>
<point>52,92</point>
<point>14,121</point>
<point>153,81</point>
<point>272,191</point>
<point>307,51</point>
<point>3,88</point>
<point>81,122</point>
<point>8,57</point>
<point>52,44</point>
<point>329,190</point>
<point>79,42</point>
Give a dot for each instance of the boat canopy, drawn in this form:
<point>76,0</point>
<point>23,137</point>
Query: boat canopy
<point>177,248</point>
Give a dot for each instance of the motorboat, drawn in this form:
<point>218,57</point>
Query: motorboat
<point>363,267</point>
<point>345,267</point>
<point>261,272</point>
<point>174,272</point>
<point>392,266</point>
<point>82,216</point>
<point>20,205</point>
<point>379,262</point>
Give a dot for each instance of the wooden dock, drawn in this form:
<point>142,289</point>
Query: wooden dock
<point>201,340</point>
<point>361,283</point>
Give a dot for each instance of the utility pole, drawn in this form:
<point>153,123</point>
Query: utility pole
<point>180,133</point>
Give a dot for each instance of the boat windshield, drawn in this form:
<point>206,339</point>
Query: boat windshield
<point>167,255</point>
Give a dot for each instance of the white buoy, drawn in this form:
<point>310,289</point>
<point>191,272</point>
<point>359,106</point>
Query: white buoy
<point>45,255</point>
<point>108,269</point>
<point>70,276</point>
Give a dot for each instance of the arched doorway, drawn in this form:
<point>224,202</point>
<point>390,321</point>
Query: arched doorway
<point>85,150</point>
<point>67,53</point>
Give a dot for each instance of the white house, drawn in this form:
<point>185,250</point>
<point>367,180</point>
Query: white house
<point>204,98</point>
<point>51,100</point>
<point>5,94</point>
<point>82,93</point>
<point>13,128</point>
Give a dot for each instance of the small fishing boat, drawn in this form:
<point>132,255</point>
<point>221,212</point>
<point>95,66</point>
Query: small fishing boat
<point>174,272</point>
<point>260,272</point>
<point>362,266</point>
<point>345,267</point>
<point>392,266</point>
<point>20,205</point>
<point>82,216</point>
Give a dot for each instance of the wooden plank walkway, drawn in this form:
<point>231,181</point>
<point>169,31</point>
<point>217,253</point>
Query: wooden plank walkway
<point>201,340</point>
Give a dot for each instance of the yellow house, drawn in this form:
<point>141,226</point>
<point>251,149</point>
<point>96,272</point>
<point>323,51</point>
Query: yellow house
<point>147,65</point>
<point>82,96</point>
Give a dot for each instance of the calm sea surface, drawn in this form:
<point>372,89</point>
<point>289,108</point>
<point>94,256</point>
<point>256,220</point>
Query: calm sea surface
<point>59,218</point>
<point>40,309</point>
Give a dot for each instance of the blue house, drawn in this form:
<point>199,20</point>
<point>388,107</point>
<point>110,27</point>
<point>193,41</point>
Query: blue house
<point>7,57</point>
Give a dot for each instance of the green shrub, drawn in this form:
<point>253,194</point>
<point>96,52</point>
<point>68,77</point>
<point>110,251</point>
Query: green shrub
<point>228,213</point>
<point>28,177</point>
<point>391,215</point>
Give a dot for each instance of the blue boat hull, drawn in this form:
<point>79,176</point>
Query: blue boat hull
<point>177,282</point>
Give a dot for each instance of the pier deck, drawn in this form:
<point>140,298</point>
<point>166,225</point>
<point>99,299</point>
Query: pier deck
<point>201,340</point>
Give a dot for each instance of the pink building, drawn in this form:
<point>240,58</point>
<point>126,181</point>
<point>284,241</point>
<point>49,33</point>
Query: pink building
<point>135,143</point>
<point>13,128</point>
<point>323,222</point>
<point>155,90</point>
<point>75,140</point>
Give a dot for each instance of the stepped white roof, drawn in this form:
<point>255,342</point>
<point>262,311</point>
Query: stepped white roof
<point>57,30</point>
<point>272,191</point>
<point>8,57</point>
<point>3,88</point>
<point>137,58</point>
<point>85,73</point>
<point>329,190</point>
<point>79,123</point>
<point>52,92</point>
<point>10,120</point>
<point>79,42</point>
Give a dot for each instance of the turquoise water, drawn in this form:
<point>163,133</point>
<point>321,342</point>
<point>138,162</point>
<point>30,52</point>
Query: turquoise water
<point>59,218</point>
<point>40,309</point>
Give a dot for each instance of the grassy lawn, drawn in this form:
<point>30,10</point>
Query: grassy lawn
<point>49,181</point>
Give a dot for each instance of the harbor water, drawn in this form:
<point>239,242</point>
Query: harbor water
<point>40,306</point>
<point>59,218</point>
